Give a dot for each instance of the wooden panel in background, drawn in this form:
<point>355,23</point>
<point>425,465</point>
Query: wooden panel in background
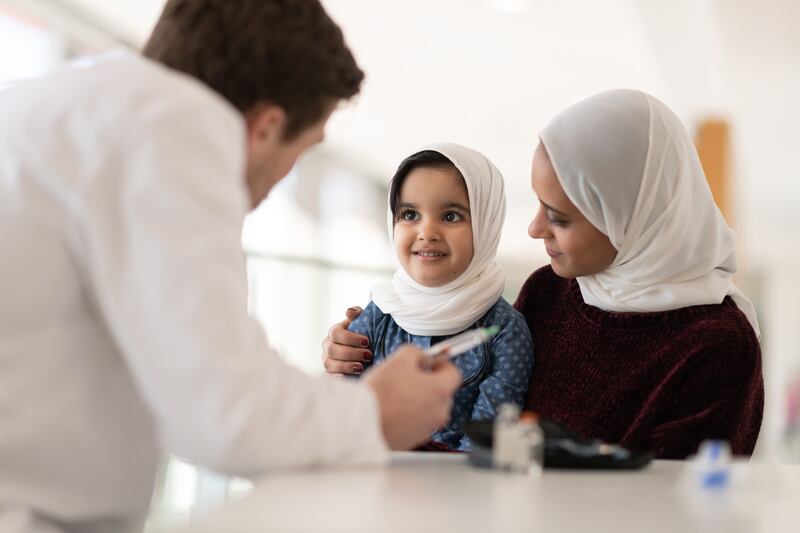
<point>713,147</point>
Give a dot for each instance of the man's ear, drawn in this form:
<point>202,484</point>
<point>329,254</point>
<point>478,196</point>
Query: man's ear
<point>265,124</point>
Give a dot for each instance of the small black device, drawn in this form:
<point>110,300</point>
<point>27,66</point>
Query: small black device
<point>563,448</point>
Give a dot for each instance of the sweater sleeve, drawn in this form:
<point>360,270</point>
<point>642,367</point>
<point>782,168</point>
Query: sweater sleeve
<point>718,394</point>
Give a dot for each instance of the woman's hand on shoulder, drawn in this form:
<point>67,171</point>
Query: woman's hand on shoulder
<point>343,351</point>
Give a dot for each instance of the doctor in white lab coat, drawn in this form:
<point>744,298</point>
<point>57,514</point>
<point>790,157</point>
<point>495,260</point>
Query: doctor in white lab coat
<point>124,334</point>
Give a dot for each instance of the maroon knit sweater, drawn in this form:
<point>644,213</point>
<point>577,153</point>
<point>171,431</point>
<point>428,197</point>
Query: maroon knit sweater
<point>661,381</point>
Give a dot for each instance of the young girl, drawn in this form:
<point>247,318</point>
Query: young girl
<point>447,206</point>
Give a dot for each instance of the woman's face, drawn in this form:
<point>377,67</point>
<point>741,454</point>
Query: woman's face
<point>576,248</point>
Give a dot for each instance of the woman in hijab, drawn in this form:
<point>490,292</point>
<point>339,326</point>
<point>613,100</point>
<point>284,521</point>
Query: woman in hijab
<point>641,337</point>
<point>446,209</point>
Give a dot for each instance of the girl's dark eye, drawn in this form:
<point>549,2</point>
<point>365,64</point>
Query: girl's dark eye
<point>408,214</point>
<point>452,216</point>
<point>557,222</point>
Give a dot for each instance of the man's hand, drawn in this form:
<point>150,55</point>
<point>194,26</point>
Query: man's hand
<point>414,401</point>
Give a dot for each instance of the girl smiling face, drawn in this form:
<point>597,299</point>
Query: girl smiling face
<point>432,226</point>
<point>576,248</point>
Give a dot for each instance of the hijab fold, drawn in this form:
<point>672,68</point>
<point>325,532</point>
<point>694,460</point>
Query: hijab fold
<point>628,164</point>
<point>452,308</point>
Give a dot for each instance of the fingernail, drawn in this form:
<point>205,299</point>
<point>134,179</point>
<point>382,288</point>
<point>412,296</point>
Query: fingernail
<point>357,367</point>
<point>365,343</point>
<point>351,308</point>
<point>367,356</point>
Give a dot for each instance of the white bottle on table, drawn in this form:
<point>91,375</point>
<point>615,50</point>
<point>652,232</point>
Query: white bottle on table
<point>505,436</point>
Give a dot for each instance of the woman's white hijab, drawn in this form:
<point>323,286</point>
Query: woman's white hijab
<point>628,164</point>
<point>453,307</point>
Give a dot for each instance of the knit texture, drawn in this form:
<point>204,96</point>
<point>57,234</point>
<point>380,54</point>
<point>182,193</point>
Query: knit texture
<point>661,381</point>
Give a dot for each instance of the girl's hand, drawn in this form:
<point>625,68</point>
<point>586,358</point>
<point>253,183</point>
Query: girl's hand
<point>344,352</point>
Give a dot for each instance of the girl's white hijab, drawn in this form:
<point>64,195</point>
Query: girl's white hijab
<point>628,164</point>
<point>453,307</point>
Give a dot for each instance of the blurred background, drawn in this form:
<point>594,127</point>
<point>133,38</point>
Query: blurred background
<point>489,74</point>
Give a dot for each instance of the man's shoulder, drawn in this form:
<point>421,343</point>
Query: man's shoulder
<point>129,92</point>
<point>160,93</point>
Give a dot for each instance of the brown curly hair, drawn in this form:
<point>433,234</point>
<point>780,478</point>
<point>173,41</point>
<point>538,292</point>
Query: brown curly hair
<point>285,52</point>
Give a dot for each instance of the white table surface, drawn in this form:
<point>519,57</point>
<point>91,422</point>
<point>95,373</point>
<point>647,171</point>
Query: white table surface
<point>421,492</point>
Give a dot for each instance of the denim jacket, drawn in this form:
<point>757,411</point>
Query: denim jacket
<point>494,373</point>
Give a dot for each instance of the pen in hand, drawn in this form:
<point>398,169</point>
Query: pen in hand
<point>460,343</point>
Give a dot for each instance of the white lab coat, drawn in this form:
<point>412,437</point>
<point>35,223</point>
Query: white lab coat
<point>123,324</point>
